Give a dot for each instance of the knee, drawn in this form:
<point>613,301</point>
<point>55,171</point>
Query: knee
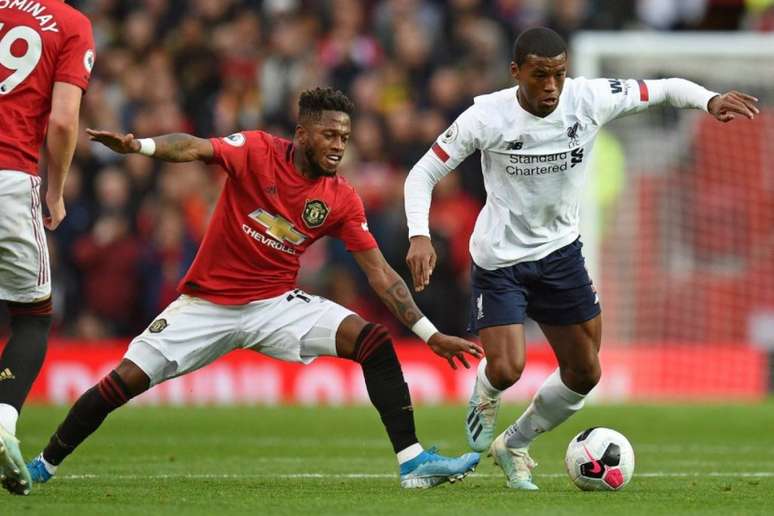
<point>133,380</point>
<point>503,373</point>
<point>582,378</point>
<point>372,342</point>
<point>30,325</point>
<point>33,318</point>
<point>39,310</point>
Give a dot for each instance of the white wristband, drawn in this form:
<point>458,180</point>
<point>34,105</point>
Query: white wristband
<point>424,329</point>
<point>147,146</point>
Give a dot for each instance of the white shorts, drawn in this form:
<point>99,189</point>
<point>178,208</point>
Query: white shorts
<point>192,332</point>
<point>25,275</point>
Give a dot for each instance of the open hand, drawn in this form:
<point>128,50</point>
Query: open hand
<point>728,106</point>
<point>450,348</point>
<point>121,143</point>
<point>421,259</point>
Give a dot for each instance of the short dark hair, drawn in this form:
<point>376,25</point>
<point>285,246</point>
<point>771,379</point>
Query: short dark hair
<point>538,41</point>
<point>313,102</point>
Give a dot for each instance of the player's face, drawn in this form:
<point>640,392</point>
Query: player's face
<point>540,80</point>
<point>324,141</point>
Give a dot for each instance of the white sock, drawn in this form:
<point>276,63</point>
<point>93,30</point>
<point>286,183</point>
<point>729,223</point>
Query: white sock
<point>8,417</point>
<point>49,467</point>
<point>483,382</point>
<point>406,454</point>
<point>553,403</point>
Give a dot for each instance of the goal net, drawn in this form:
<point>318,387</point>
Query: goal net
<point>678,223</point>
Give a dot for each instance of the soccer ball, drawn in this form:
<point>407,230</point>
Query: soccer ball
<point>600,459</point>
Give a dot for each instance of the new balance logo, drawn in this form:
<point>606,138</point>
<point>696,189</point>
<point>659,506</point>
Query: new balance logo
<point>615,86</point>
<point>480,307</point>
<point>514,145</point>
<point>6,374</point>
<point>474,425</point>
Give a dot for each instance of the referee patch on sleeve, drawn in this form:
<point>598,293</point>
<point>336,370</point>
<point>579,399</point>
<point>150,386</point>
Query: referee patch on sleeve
<point>643,90</point>
<point>442,155</point>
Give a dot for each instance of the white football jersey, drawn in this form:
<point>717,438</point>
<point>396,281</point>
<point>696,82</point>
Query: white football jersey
<point>534,168</point>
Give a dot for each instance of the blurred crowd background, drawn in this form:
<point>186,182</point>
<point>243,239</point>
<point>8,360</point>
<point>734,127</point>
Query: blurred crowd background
<point>214,67</point>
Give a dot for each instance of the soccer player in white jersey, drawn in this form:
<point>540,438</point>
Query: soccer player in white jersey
<point>535,140</point>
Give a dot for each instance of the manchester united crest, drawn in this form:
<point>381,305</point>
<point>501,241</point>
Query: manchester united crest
<point>157,326</point>
<point>315,213</point>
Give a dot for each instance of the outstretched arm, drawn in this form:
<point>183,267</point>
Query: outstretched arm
<point>176,147</point>
<point>682,93</point>
<point>618,97</point>
<point>395,294</point>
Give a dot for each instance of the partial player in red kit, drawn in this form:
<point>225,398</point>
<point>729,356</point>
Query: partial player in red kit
<point>280,196</point>
<point>46,57</point>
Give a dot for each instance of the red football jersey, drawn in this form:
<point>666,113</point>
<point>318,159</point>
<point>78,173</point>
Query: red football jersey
<point>41,42</point>
<point>266,217</point>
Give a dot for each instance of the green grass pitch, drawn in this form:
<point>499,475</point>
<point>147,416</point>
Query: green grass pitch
<point>691,459</point>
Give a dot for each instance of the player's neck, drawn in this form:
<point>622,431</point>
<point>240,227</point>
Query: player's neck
<point>302,165</point>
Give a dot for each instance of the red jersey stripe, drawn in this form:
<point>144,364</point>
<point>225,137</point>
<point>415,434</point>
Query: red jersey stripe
<point>643,91</point>
<point>440,153</point>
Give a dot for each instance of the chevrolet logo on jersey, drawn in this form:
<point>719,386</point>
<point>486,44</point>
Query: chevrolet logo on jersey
<point>278,227</point>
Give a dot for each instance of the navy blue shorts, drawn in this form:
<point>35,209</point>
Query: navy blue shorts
<point>555,290</point>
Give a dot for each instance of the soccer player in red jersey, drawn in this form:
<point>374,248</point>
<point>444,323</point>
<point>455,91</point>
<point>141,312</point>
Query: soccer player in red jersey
<point>279,198</point>
<point>46,57</point>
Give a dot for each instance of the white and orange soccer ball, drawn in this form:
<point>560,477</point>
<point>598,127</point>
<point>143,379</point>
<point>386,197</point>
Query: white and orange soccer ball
<point>600,459</point>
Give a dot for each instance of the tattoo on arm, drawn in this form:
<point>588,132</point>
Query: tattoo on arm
<point>398,299</point>
<point>176,147</point>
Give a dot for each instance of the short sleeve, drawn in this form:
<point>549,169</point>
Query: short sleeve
<point>76,57</point>
<point>460,140</point>
<point>232,152</point>
<point>352,229</point>
<point>613,98</point>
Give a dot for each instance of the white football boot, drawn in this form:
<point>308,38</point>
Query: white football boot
<point>515,463</point>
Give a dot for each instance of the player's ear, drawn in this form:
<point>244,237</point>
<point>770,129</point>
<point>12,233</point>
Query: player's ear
<point>515,71</point>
